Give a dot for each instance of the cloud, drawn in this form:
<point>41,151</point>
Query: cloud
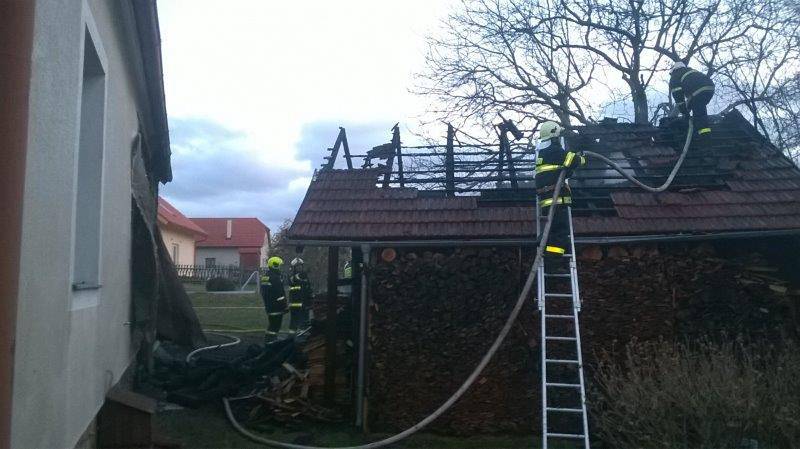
<point>217,173</point>
<point>317,137</point>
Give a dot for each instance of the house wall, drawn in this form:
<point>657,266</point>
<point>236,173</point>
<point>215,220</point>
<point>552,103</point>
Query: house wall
<point>224,256</point>
<point>185,242</point>
<point>72,346</point>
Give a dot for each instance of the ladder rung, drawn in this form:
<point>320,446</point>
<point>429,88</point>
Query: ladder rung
<point>575,436</point>
<point>561,385</point>
<point>561,338</point>
<point>564,317</point>
<point>573,362</point>
<point>559,295</point>
<point>558,275</point>
<point>564,410</point>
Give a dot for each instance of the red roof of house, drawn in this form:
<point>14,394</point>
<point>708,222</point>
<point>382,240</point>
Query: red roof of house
<point>736,181</point>
<point>170,216</point>
<point>245,232</point>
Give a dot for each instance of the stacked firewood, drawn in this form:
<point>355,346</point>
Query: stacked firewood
<point>435,313</point>
<point>286,398</point>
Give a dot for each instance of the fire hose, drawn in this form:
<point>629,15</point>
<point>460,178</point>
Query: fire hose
<point>503,332</point>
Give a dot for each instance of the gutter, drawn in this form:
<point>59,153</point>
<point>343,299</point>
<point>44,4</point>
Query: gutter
<point>145,15</point>
<point>16,45</point>
<point>585,240</point>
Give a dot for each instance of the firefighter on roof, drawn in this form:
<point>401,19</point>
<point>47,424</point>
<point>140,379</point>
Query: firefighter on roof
<point>299,295</point>
<point>692,91</point>
<point>551,159</point>
<point>274,297</point>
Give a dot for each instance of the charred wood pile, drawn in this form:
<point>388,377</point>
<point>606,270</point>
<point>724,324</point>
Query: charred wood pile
<point>435,313</point>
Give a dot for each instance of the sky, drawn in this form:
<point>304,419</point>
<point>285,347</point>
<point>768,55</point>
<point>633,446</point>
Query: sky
<point>256,91</point>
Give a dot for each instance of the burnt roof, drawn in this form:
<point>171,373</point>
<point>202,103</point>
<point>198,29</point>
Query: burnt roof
<point>737,181</point>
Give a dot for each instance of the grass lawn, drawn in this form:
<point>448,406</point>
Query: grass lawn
<point>229,311</point>
<point>208,428</point>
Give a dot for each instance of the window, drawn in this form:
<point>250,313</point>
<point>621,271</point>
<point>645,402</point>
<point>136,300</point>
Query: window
<point>89,186</point>
<point>211,261</point>
<point>175,253</point>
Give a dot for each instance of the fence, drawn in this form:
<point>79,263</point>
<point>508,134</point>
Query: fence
<point>201,273</point>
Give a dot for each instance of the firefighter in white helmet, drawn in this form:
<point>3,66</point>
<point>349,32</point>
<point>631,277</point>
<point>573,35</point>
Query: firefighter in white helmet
<point>551,159</point>
<point>692,91</point>
<point>300,295</point>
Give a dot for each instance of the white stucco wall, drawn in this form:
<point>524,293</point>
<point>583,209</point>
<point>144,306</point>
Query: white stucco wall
<point>185,242</point>
<point>71,347</point>
<point>224,256</point>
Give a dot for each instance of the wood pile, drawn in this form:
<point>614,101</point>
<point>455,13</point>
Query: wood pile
<point>435,313</point>
<point>286,398</point>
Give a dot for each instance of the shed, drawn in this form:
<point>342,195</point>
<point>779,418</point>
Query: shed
<point>446,232</point>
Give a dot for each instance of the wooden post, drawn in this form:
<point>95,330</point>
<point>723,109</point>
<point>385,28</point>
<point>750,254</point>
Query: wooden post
<point>505,146</point>
<point>346,148</point>
<point>334,151</point>
<point>330,326</point>
<point>500,158</point>
<point>399,153</point>
<point>449,163</point>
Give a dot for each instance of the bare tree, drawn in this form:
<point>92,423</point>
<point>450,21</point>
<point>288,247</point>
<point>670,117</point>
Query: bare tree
<point>544,58</point>
<point>499,56</point>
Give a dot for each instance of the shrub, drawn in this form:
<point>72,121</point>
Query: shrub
<point>220,284</point>
<point>698,396</point>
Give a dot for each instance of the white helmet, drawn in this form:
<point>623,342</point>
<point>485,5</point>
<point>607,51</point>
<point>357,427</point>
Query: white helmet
<point>297,262</point>
<point>549,130</point>
<point>677,65</point>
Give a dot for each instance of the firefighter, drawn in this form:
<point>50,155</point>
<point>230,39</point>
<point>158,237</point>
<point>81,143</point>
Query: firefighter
<point>551,159</point>
<point>274,297</point>
<point>299,295</point>
<point>692,91</point>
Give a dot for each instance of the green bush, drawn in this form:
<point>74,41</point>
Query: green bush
<point>698,396</point>
<point>220,284</point>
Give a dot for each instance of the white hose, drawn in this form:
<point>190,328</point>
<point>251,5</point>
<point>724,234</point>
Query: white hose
<point>672,174</point>
<point>235,341</point>
<point>503,332</point>
<point>467,383</point>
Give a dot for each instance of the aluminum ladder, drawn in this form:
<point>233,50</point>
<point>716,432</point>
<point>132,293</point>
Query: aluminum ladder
<point>563,389</point>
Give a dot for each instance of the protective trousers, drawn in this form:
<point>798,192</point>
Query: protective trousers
<point>558,242</point>
<point>697,105</point>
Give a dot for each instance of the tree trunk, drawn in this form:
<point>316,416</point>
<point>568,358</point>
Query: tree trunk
<point>639,98</point>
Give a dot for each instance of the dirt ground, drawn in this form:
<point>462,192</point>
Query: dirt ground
<point>207,428</point>
<point>243,315</point>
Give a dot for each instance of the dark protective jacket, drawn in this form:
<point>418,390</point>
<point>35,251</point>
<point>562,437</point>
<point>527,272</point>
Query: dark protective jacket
<point>550,161</point>
<point>299,291</point>
<point>685,83</point>
<point>272,292</point>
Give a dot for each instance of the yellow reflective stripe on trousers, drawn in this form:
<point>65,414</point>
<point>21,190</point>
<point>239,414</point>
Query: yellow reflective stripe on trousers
<point>547,167</point>
<point>296,305</point>
<point>293,289</point>
<point>568,159</point>
<point>676,90</point>
<point>554,249</point>
<point>276,313</point>
<point>704,131</point>
<point>561,200</point>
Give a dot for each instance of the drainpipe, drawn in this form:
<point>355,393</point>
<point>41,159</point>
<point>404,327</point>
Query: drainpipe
<point>16,43</point>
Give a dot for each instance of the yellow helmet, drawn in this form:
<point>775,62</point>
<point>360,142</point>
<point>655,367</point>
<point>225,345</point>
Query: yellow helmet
<point>274,262</point>
<point>548,130</point>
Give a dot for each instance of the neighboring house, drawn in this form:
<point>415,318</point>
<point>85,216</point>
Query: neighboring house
<point>83,129</point>
<point>715,254</point>
<point>242,242</point>
<point>178,232</point>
